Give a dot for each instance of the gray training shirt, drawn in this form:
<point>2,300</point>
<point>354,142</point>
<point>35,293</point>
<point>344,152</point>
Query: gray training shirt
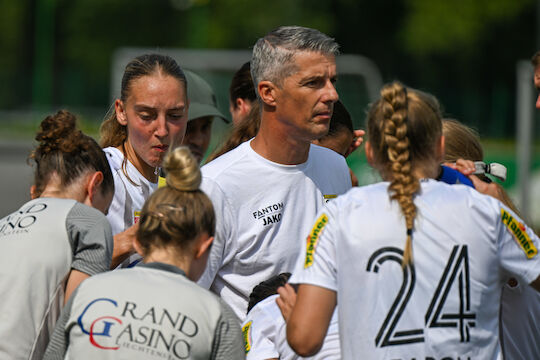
<point>151,311</point>
<point>39,245</point>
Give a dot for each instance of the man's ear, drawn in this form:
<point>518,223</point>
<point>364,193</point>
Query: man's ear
<point>202,246</point>
<point>369,154</point>
<point>120,110</point>
<point>267,92</point>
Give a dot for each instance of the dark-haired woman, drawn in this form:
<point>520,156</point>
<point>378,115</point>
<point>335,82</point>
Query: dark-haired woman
<point>155,310</point>
<point>242,95</point>
<point>148,119</point>
<point>56,240</point>
<point>416,265</point>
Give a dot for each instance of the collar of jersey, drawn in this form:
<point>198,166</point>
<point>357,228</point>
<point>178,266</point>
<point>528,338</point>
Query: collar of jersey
<point>288,168</point>
<point>163,266</point>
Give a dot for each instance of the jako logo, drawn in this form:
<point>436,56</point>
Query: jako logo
<point>269,214</point>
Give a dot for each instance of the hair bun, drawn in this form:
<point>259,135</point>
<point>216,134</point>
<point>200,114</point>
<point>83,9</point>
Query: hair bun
<point>58,132</point>
<point>183,172</point>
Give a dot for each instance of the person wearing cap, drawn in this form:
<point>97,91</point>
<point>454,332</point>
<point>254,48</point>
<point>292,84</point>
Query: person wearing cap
<point>202,111</point>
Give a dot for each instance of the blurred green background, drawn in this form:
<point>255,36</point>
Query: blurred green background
<point>59,53</point>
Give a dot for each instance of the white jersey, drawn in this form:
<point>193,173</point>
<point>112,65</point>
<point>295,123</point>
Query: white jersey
<point>149,312</point>
<point>520,322</point>
<point>263,209</point>
<point>129,196</point>
<point>40,244</point>
<point>444,305</point>
<point>265,335</point>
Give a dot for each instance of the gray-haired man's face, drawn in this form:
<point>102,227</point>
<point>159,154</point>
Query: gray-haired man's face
<point>305,99</point>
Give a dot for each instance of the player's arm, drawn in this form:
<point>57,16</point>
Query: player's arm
<point>123,245</point>
<point>74,279</point>
<point>310,317</point>
<point>90,237</point>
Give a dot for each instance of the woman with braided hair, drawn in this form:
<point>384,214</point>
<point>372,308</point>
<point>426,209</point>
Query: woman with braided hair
<point>155,310</point>
<point>406,258</point>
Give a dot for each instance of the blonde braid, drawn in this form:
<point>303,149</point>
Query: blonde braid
<point>404,185</point>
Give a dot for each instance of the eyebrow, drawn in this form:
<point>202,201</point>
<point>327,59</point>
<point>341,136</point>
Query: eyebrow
<point>141,107</point>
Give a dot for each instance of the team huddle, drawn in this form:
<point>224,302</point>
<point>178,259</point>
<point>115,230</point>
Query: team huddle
<point>130,250</point>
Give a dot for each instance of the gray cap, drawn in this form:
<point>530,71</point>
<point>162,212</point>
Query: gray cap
<point>202,100</point>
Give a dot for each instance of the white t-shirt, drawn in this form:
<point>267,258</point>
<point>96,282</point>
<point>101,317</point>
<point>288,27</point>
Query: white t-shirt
<point>129,196</point>
<point>520,322</point>
<point>446,305</point>
<point>265,335</point>
<point>263,211</point>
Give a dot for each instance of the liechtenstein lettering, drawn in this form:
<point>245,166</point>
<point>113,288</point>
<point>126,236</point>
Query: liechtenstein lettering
<point>270,214</point>
<point>432,358</point>
<point>111,325</point>
<point>519,232</point>
<point>22,220</point>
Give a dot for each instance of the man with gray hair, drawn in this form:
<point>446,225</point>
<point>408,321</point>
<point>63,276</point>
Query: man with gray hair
<point>267,191</point>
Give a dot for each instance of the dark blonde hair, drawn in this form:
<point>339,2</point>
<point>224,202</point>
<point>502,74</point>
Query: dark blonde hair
<point>66,152</point>
<point>463,142</point>
<point>111,131</point>
<point>242,86</point>
<point>404,126</point>
<point>176,214</point>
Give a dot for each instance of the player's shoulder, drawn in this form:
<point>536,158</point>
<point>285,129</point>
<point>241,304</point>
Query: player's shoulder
<point>360,195</point>
<point>82,210</point>
<point>458,195</point>
<point>114,157</point>
<point>265,312</point>
<point>227,162</point>
<point>323,154</point>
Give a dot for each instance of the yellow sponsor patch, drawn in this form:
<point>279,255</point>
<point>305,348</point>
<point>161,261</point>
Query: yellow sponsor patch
<point>246,332</point>
<point>313,238</point>
<point>161,182</point>
<point>519,232</point>
<point>136,216</point>
<point>329,197</point>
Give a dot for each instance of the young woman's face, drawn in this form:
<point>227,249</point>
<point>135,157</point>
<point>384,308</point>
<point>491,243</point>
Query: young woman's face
<point>155,113</point>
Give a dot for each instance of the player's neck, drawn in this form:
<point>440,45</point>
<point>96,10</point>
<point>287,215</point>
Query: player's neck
<point>168,257</point>
<point>279,146</point>
<point>149,173</point>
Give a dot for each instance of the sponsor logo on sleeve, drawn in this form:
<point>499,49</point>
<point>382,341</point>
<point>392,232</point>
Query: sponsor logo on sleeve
<point>313,238</point>
<point>519,232</point>
<point>246,332</point>
<point>329,197</point>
